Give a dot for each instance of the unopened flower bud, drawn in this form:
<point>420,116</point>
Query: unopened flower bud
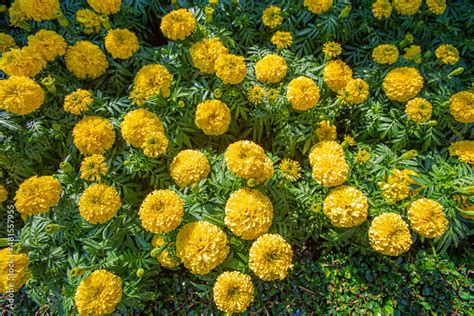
<point>53,228</point>
<point>104,20</point>
<point>65,166</point>
<point>456,72</point>
<point>346,11</point>
<point>251,183</point>
<point>217,93</point>
<point>140,272</point>
<point>77,271</point>
<point>49,83</point>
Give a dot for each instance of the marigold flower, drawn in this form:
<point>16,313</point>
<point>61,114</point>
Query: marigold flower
<point>20,274</point>
<point>406,7</point>
<point>23,62</point>
<point>402,84</point>
<point>16,14</point>
<point>389,235</point>
<point>164,257</point>
<point>302,93</point>
<point>326,131</point>
<point>40,10</point>
<point>151,80</point>
<point>272,94</point>
<point>385,54</point>
<point>270,257</point>
<point>93,168</point>
<point>271,16</point>
<point>462,106</point>
<point>346,207</point>
<point>397,186</point>
<point>418,110</point>
<point>233,292</point>
<point>201,246</point>
<point>328,163</point>
<point>89,20</point>
<point>447,54</point>
<point>3,194</point>
<point>178,24</point>
<point>382,9</point>
<point>99,203</point>
<point>93,135</point>
<point>332,49</point>
<point>290,169</point>
<point>349,141</point>
<point>356,91</point>
<point>336,74</point>
<point>139,125</point>
<point>413,52</point>
<point>86,60</point>
<point>212,117</point>
<point>155,145</point>
<point>47,44</point>
<point>204,54</point>
<point>427,218</point>
<point>121,43</point>
<point>78,101</point>
<point>231,69</point>
<point>436,6</point>
<point>105,6</point>
<point>271,69</point>
<point>282,40</point>
<point>98,293</point>
<point>318,6</point>
<point>256,94</point>
<point>362,156</point>
<point>161,211</point>
<point>6,42</point>
<point>464,149</point>
<point>189,167</point>
<point>20,95</point>
<point>36,195</point>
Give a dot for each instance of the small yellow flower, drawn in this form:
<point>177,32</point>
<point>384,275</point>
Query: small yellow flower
<point>178,24</point>
<point>318,6</point>
<point>332,49</point>
<point>89,20</point>
<point>346,207</point>
<point>37,195</point>
<point>406,7</point>
<point>78,101</point>
<point>329,166</point>
<point>155,145</point>
<point>397,186</point>
<point>336,74</point>
<point>233,292</point>
<point>231,69</point>
<point>462,106</point>
<point>256,94</point>
<point>362,156</point>
<point>93,167</point>
<point>436,6</point>
<point>413,53</point>
<point>385,54</point>
<point>447,54</point>
<point>271,16</point>
<point>382,9</point>
<point>418,110</point>
<point>164,257</point>
<point>151,80</point>
<point>105,6</point>
<point>290,169</point>
<point>271,69</point>
<point>349,141</point>
<point>326,131</point>
<point>282,39</point>
<point>6,42</point>
<point>272,94</point>
<point>139,125</point>
<point>121,43</point>
<point>356,91</point>
<point>464,149</point>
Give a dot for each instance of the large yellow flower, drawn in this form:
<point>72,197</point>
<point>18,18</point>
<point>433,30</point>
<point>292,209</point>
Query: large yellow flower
<point>13,270</point>
<point>151,80</point>
<point>86,60</point>
<point>233,292</point>
<point>418,110</point>
<point>406,7</point>
<point>164,257</point>
<point>161,211</point>
<point>6,42</point>
<point>397,186</point>
<point>139,125</point>
<point>464,149</point>
<point>270,257</point>
<point>212,117</point>
<point>427,218</point>
<point>402,84</point>
<point>328,163</point>
<point>318,6</point>
<point>336,74</point>
<point>89,20</point>
<point>231,69</point>
<point>389,234</point>
<point>248,213</point>
<point>447,54</point>
<point>271,69</point>
<point>303,93</point>
<point>20,95</point>
<point>436,6</point>
<point>93,168</point>
<point>99,203</point>
<point>189,167</point>
<point>105,6</point>
<point>204,54</point>
<point>78,101</point>
<point>271,16</point>
<point>40,10</point>
<point>382,9</point>
<point>356,91</point>
<point>22,62</point>
<point>93,135</point>
<point>98,293</point>
<point>36,195</point>
<point>201,246</point>
<point>121,43</point>
<point>462,106</point>
<point>385,54</point>
<point>282,40</point>
<point>47,44</point>
<point>346,206</point>
<point>178,24</point>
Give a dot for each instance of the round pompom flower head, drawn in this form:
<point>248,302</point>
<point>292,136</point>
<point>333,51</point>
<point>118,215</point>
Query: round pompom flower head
<point>201,246</point>
<point>406,7</point>
<point>336,74</point>
<point>231,69</point>
<point>328,163</point>
<point>47,44</point>
<point>105,6</point>
<point>78,101</point>
<point>161,211</point>
<point>178,24</point>
<point>204,54</point>
<point>99,293</point>
<point>189,167</point>
<point>346,207</point>
<point>99,203</point>
<point>20,275</point>
<point>302,93</point>
<point>24,62</point>
<point>139,125</point>
<point>212,117</point>
<point>318,6</point>
<point>6,42</point>
<point>151,80</point>
<point>389,234</point>
<point>382,9</point>
<point>462,106</point>
<point>40,10</point>
<point>271,69</point>
<point>248,213</point>
<point>121,43</point>
<point>402,84</point>
<point>93,135</point>
<point>93,168</point>
<point>37,195</point>
<point>385,54</point>
<point>270,257</point>
<point>155,145</point>
<point>356,91</point>
<point>233,292</point>
<point>418,110</point>
<point>464,149</point>
<point>436,6</point>
<point>282,40</point>
<point>164,257</point>
<point>427,218</point>
<point>271,16</point>
<point>447,54</point>
<point>20,95</point>
<point>86,60</point>
<point>89,20</point>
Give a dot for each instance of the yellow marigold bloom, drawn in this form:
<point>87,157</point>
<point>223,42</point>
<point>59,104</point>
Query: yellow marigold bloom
<point>362,156</point>
<point>406,7</point>
<point>418,110</point>
<point>402,84</point>
<point>349,141</point>
<point>89,20</point>
<point>20,270</point>
<point>40,10</point>
<point>318,6</point>
<point>151,80</point>
<point>249,161</point>
<point>346,207</point>
<point>93,168</point>
<point>6,42</point>
<point>16,15</point>
<point>328,163</point>
<point>161,211</point>
<point>385,54</point>
<point>464,149</point>
<point>139,125</point>
<point>332,49</point>
<point>271,16</point>
<point>413,52</point>
<point>98,293</point>
<point>178,24</point>
<point>22,62</point>
<point>47,44</point>
<point>282,40</point>
<point>99,203</point>
<point>397,186</point>
<point>212,117</point>
<point>3,194</point>
<point>427,218</point>
<point>204,54</point>
<point>256,94</point>
<point>271,69</point>
<point>233,292</point>
<point>20,95</point>
<point>78,101</point>
<point>164,257</point>
<point>389,234</point>
<point>36,195</point>
<point>201,246</point>
<point>86,60</point>
<point>121,43</point>
<point>231,69</point>
<point>189,167</point>
<point>155,145</point>
<point>270,257</point>
<point>248,213</point>
<point>436,6</point>
<point>356,91</point>
<point>105,6</point>
<point>93,135</point>
<point>326,131</point>
<point>462,106</point>
<point>382,9</point>
<point>302,93</point>
<point>291,169</point>
<point>336,74</point>
<point>272,94</point>
<point>447,54</point>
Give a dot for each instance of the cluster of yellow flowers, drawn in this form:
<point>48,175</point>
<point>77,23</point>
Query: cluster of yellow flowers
<point>382,9</point>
